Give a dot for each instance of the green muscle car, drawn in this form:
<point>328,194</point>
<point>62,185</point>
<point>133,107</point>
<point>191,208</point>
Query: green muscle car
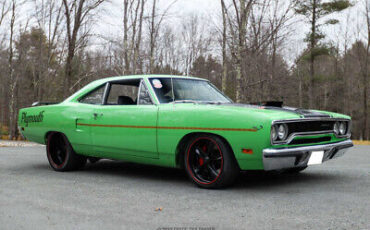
<point>182,122</point>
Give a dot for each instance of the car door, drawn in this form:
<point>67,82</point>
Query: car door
<point>123,126</point>
<point>83,112</point>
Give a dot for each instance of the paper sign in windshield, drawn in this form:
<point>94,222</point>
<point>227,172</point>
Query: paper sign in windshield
<point>157,84</point>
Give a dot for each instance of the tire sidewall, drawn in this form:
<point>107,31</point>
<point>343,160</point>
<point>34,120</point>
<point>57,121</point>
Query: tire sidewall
<point>72,160</point>
<point>228,167</point>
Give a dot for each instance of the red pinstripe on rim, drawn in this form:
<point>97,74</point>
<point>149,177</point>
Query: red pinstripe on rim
<point>49,155</point>
<point>191,171</point>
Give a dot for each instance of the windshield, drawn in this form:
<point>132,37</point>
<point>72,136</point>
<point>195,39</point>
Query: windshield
<point>186,90</point>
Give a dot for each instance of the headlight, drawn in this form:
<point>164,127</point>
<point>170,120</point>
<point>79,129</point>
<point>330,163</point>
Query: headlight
<point>273,133</point>
<point>279,132</point>
<point>342,128</point>
<point>282,131</point>
<point>336,128</point>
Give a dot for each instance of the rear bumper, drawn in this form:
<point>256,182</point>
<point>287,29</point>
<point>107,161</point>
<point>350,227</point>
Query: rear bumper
<point>283,158</point>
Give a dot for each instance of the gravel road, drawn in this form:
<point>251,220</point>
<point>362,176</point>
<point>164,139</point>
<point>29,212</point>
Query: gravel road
<point>118,195</point>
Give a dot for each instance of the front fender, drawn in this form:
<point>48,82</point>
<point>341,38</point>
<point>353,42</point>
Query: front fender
<point>242,130</point>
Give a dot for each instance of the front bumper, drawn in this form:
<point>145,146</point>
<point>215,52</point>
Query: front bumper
<point>284,158</point>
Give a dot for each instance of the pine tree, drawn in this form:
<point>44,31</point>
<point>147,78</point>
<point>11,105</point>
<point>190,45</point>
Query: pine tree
<point>317,13</point>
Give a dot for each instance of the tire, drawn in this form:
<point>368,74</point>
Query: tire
<point>209,162</point>
<point>61,155</point>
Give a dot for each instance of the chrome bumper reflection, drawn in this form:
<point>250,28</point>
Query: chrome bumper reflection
<point>274,159</point>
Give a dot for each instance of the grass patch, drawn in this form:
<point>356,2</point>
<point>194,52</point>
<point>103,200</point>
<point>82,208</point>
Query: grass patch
<point>361,142</point>
<point>4,130</point>
<point>4,137</point>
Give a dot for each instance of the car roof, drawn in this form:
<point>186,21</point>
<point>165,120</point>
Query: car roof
<point>148,76</point>
<point>118,78</point>
<point>99,82</point>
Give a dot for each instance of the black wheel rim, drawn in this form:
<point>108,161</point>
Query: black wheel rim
<point>205,160</point>
<point>58,151</point>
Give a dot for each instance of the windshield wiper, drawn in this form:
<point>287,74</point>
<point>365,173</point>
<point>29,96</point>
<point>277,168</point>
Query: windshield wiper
<point>185,101</point>
<point>199,102</point>
<point>213,102</point>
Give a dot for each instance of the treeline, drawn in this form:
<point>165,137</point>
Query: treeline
<point>53,53</point>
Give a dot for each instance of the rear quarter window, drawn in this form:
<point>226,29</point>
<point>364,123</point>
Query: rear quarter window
<point>95,97</point>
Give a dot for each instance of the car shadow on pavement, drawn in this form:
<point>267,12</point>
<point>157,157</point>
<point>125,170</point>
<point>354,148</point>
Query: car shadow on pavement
<point>254,180</point>
<point>262,179</point>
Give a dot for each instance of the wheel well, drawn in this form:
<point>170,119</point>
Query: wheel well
<point>50,133</point>
<point>180,150</point>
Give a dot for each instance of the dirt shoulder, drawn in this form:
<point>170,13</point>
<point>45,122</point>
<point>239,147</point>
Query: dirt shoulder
<point>7,143</point>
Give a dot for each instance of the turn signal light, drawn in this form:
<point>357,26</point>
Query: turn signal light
<point>247,151</point>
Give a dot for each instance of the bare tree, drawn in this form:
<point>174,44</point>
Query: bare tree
<point>138,41</point>
<point>126,4</point>
<point>224,47</point>
<point>242,20</point>
<point>365,71</point>
<point>155,22</point>
<point>238,29</point>
<point>4,10</point>
<point>153,32</point>
<point>76,13</point>
<point>12,78</point>
<point>49,17</point>
<point>194,41</point>
<point>133,17</point>
<point>279,31</point>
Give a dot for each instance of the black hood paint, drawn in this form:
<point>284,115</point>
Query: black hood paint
<point>304,113</point>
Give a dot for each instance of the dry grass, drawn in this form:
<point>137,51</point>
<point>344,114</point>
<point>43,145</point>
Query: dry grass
<point>361,142</point>
<point>4,137</point>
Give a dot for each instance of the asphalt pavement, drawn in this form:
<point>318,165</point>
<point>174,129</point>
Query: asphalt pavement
<point>119,195</point>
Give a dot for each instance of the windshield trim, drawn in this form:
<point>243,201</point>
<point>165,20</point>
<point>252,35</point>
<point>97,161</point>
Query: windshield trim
<point>184,78</point>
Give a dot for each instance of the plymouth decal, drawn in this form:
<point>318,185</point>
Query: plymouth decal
<point>32,118</point>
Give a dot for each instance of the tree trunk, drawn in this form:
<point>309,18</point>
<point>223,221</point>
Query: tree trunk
<point>312,57</point>
<point>240,50</point>
<point>152,37</point>
<point>125,37</point>
<point>366,73</point>
<point>138,42</point>
<point>13,80</point>
<point>273,66</point>
<point>224,53</point>
<point>68,72</point>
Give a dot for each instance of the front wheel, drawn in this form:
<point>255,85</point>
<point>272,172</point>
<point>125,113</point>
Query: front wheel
<point>209,162</point>
<point>61,155</point>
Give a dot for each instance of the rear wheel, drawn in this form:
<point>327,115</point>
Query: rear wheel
<point>210,162</point>
<point>61,155</point>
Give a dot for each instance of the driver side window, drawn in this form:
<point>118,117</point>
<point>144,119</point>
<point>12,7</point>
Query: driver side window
<point>122,94</point>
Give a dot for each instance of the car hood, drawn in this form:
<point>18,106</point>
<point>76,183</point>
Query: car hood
<point>277,113</point>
